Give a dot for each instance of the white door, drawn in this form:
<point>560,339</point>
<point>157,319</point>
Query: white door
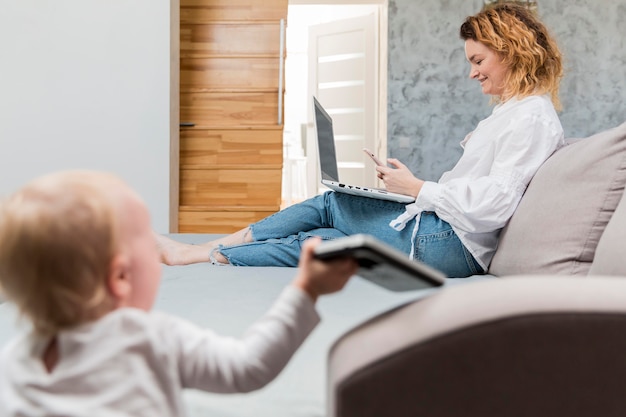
<point>343,74</point>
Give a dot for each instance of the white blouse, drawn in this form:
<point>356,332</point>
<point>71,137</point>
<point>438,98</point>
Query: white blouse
<point>132,363</point>
<point>480,194</point>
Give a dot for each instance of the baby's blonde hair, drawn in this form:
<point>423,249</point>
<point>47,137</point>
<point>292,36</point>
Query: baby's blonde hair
<point>57,240</point>
<point>525,47</point>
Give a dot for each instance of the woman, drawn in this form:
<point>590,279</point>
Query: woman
<point>454,224</point>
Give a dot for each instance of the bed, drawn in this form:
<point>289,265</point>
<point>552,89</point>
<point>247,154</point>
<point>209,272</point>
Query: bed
<point>228,299</point>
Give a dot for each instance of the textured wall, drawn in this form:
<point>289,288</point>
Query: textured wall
<point>433,104</point>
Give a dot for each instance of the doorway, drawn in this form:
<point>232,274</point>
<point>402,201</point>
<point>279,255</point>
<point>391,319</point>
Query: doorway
<point>300,176</point>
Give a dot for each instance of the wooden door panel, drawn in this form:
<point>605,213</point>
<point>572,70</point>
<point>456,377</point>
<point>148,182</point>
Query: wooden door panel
<point>231,187</point>
<point>258,39</point>
<point>207,74</point>
<point>204,11</point>
<point>222,221</point>
<point>229,109</point>
<point>231,159</point>
<point>231,148</point>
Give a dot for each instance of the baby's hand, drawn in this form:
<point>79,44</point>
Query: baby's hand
<point>317,277</point>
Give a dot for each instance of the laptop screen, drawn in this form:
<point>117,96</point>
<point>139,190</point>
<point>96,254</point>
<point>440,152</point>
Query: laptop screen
<point>325,143</point>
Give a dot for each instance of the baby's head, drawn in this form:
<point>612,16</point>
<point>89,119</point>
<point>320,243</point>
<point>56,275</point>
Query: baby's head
<point>74,246</point>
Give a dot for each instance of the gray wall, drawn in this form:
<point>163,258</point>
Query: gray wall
<point>85,84</point>
<point>433,104</point>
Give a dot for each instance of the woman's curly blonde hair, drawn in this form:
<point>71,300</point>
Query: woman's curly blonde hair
<point>525,47</point>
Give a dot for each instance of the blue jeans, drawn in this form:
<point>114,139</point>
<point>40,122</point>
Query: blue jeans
<point>278,238</point>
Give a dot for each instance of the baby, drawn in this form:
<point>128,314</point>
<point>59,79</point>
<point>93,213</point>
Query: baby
<point>79,260</point>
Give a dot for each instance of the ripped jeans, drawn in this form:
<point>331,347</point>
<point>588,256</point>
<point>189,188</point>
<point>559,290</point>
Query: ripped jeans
<point>278,238</point>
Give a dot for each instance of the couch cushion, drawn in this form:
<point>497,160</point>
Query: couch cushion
<point>565,209</point>
<point>609,258</point>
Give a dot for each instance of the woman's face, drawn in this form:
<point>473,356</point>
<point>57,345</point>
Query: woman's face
<point>486,67</point>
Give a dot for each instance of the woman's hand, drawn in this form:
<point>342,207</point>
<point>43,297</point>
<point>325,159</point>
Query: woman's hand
<point>399,179</point>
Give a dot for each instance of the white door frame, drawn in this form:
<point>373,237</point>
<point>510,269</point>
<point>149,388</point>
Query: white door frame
<point>381,111</point>
<point>350,46</point>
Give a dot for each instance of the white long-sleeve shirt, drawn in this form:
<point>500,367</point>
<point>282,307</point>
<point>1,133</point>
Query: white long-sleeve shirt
<point>132,363</point>
<point>480,194</point>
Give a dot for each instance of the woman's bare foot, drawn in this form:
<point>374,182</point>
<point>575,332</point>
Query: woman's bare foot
<point>172,252</point>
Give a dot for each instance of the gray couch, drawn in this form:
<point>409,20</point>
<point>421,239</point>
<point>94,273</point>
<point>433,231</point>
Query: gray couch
<point>549,339</point>
<point>528,346</point>
<point>566,209</point>
<point>555,231</point>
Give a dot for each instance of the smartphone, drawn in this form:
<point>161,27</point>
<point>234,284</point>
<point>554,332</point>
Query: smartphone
<point>381,264</point>
<point>374,157</point>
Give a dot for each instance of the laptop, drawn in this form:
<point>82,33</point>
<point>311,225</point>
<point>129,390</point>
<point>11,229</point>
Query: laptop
<point>328,162</point>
